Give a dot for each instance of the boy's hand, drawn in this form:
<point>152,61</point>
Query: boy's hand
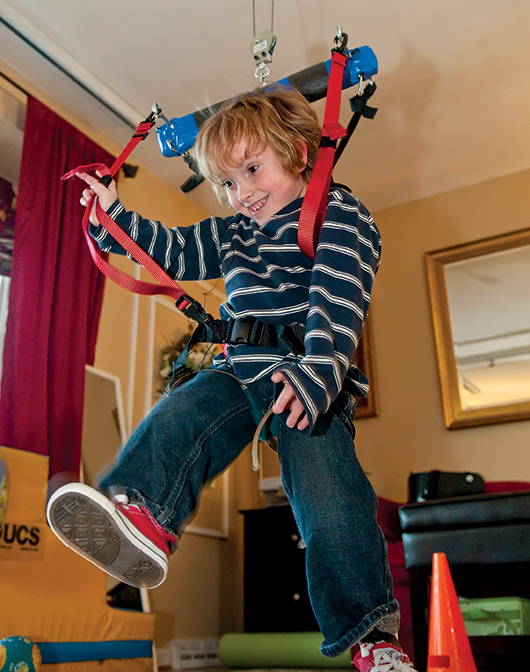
<point>288,401</point>
<point>106,195</point>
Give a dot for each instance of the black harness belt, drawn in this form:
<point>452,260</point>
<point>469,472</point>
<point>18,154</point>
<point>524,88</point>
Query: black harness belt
<point>251,332</point>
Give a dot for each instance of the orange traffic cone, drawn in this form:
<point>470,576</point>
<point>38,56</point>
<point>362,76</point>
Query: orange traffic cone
<point>449,647</point>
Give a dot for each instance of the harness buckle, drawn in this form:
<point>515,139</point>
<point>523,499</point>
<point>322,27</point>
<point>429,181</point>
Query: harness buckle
<point>293,338</point>
<point>239,332</point>
<point>194,310</point>
<point>246,332</point>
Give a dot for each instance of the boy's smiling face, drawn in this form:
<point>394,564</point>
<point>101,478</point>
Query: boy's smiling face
<point>258,186</point>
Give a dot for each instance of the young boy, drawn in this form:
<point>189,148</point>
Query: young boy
<point>258,152</point>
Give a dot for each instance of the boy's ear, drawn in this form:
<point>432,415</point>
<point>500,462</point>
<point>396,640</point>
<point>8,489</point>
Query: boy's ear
<point>303,153</point>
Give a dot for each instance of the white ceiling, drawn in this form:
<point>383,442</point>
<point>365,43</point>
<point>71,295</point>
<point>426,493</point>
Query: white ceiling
<point>453,84</point>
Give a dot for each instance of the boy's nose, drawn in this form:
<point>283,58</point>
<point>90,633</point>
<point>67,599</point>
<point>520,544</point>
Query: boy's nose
<point>245,193</point>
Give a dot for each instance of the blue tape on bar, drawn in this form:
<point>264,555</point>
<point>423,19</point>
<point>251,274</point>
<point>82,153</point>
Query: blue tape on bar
<point>72,652</point>
<point>179,136</point>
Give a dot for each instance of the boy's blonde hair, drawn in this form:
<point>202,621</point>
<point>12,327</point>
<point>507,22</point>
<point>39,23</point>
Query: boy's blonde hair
<point>276,117</point>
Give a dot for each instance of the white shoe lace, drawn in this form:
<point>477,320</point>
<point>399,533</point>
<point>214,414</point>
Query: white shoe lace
<point>390,660</point>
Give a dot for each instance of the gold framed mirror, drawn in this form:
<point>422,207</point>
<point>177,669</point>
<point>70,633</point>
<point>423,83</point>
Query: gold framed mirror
<point>480,303</point>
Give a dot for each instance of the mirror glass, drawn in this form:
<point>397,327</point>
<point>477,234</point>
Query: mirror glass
<point>480,299</point>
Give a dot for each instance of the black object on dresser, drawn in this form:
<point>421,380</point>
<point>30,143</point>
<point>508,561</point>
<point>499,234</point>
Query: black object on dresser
<point>276,597</point>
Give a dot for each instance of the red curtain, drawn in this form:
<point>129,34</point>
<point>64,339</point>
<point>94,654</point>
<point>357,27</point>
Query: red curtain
<point>55,299</point>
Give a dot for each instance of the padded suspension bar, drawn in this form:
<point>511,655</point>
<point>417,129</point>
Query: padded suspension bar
<point>178,135</point>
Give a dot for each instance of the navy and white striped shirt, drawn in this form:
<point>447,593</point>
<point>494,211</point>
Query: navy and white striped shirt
<point>267,276</point>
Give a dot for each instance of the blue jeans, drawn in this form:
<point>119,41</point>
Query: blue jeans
<point>196,431</point>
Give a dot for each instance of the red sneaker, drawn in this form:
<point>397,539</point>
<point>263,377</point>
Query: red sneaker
<point>122,539</point>
<point>382,657</point>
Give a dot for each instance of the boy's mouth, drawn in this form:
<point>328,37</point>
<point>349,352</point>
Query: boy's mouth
<point>256,207</point>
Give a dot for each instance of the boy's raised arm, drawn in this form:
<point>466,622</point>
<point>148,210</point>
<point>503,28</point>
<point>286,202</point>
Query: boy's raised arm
<point>106,195</point>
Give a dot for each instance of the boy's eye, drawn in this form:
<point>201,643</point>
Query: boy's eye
<point>253,168</point>
<point>227,184</point>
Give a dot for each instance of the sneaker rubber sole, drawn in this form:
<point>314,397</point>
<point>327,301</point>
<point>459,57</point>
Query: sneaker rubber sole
<point>89,523</point>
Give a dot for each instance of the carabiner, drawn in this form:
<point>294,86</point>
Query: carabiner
<point>361,86</point>
<point>341,40</point>
<point>156,111</point>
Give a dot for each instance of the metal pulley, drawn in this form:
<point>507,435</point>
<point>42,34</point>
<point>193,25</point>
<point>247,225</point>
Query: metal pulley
<point>262,47</point>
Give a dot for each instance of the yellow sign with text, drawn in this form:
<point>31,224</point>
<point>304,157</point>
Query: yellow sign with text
<point>22,541</point>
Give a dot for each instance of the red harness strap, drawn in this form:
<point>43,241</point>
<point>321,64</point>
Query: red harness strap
<point>167,286</point>
<point>316,197</point>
